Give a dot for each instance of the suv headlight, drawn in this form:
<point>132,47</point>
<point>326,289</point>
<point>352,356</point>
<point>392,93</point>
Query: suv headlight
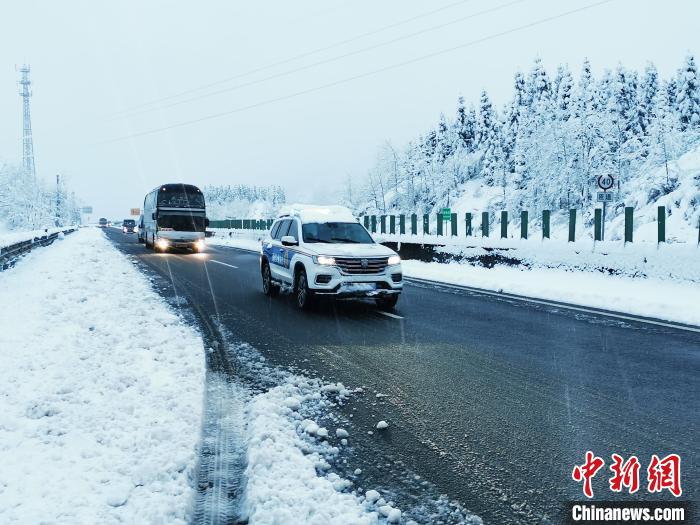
<point>322,259</point>
<point>394,259</point>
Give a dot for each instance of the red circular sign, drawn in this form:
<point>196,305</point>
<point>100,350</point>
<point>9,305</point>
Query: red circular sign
<point>606,182</point>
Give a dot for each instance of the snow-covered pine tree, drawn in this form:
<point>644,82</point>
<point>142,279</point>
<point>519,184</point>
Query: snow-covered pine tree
<point>465,127</point>
<point>487,138</point>
<point>688,95</point>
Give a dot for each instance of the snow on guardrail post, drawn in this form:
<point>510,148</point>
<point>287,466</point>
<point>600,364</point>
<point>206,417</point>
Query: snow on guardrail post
<point>414,224</point>
<point>546,216</point>
<point>504,224</point>
<point>597,224</point>
<point>662,223</point>
<point>629,218</point>
<point>392,224</point>
<point>426,224</point>
<point>439,223</point>
<point>485,224</point>
<point>453,224</point>
<point>402,224</point>
<point>572,225</point>
<point>468,224</point>
<point>523,224</point>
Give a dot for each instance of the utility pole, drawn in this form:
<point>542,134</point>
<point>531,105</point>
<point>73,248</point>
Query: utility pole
<point>58,200</point>
<point>27,141</point>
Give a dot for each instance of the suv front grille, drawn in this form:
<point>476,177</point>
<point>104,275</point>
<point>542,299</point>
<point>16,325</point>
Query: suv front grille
<point>354,265</point>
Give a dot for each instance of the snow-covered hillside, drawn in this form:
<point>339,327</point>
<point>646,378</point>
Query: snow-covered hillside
<point>545,149</point>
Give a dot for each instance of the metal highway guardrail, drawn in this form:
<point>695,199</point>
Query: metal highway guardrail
<point>11,253</point>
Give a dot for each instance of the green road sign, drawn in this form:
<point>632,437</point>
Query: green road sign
<point>446,214</point>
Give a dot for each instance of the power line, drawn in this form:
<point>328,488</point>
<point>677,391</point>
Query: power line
<point>361,75</point>
<point>329,60</point>
<point>293,58</point>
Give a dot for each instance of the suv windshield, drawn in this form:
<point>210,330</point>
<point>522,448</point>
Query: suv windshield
<point>181,223</point>
<point>129,222</point>
<point>335,232</point>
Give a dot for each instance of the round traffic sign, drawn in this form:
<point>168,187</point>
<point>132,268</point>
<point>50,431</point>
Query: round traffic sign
<point>606,182</point>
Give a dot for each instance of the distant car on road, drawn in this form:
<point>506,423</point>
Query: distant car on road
<point>324,251</point>
<point>103,223</point>
<point>128,226</point>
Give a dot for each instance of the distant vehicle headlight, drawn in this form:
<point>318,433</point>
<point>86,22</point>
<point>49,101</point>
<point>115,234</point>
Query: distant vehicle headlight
<point>322,259</point>
<point>136,229</point>
<point>394,259</point>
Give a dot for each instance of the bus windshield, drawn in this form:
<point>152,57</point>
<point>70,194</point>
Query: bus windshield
<point>181,196</point>
<point>181,223</point>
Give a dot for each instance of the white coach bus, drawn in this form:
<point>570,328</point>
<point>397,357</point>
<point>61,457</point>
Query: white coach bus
<point>174,216</point>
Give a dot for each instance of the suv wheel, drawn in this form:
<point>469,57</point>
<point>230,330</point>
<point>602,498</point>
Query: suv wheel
<point>388,303</point>
<point>269,288</point>
<point>304,296</point>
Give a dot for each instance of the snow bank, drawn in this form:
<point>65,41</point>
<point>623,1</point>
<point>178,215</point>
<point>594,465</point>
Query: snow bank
<point>246,239</point>
<point>643,259</point>
<point>100,391</point>
<point>664,299</point>
<point>8,237</point>
<point>282,481</point>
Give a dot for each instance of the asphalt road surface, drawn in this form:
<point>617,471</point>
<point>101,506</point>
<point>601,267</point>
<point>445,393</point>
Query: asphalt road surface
<point>492,401</point>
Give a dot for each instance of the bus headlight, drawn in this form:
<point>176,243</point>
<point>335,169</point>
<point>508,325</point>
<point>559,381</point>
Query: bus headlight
<point>162,243</point>
<point>199,245</point>
<point>394,259</point>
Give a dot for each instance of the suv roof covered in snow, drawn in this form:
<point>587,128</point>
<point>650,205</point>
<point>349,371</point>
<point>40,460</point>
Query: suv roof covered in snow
<point>314,213</point>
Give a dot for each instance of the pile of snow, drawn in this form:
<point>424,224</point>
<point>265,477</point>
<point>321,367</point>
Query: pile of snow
<point>100,391</point>
<point>283,484</point>
<point>290,455</point>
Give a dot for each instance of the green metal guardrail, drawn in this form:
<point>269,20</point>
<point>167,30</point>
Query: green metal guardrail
<point>375,222</point>
<point>11,253</point>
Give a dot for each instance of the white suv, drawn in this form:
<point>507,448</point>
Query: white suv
<point>315,251</point>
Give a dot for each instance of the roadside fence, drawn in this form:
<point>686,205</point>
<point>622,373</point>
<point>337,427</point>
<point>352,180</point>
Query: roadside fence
<point>12,252</point>
<point>442,226</point>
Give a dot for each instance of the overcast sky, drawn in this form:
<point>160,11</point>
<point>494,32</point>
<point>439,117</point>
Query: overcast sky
<point>92,59</point>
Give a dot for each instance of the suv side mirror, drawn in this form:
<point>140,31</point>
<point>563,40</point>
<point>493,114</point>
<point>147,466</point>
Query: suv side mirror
<point>288,240</point>
<point>153,216</point>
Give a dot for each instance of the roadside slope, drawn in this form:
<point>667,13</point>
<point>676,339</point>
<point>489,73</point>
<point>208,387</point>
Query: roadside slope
<point>100,391</point>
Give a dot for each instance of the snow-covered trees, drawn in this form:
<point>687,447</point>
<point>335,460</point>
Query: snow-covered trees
<point>548,144</point>
<point>242,200</point>
<point>27,203</point>
<point>688,95</point>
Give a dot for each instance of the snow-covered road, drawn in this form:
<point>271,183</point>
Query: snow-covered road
<point>100,391</point>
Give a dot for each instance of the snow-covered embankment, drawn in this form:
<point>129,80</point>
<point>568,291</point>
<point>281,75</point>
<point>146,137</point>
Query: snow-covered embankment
<point>100,391</point>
